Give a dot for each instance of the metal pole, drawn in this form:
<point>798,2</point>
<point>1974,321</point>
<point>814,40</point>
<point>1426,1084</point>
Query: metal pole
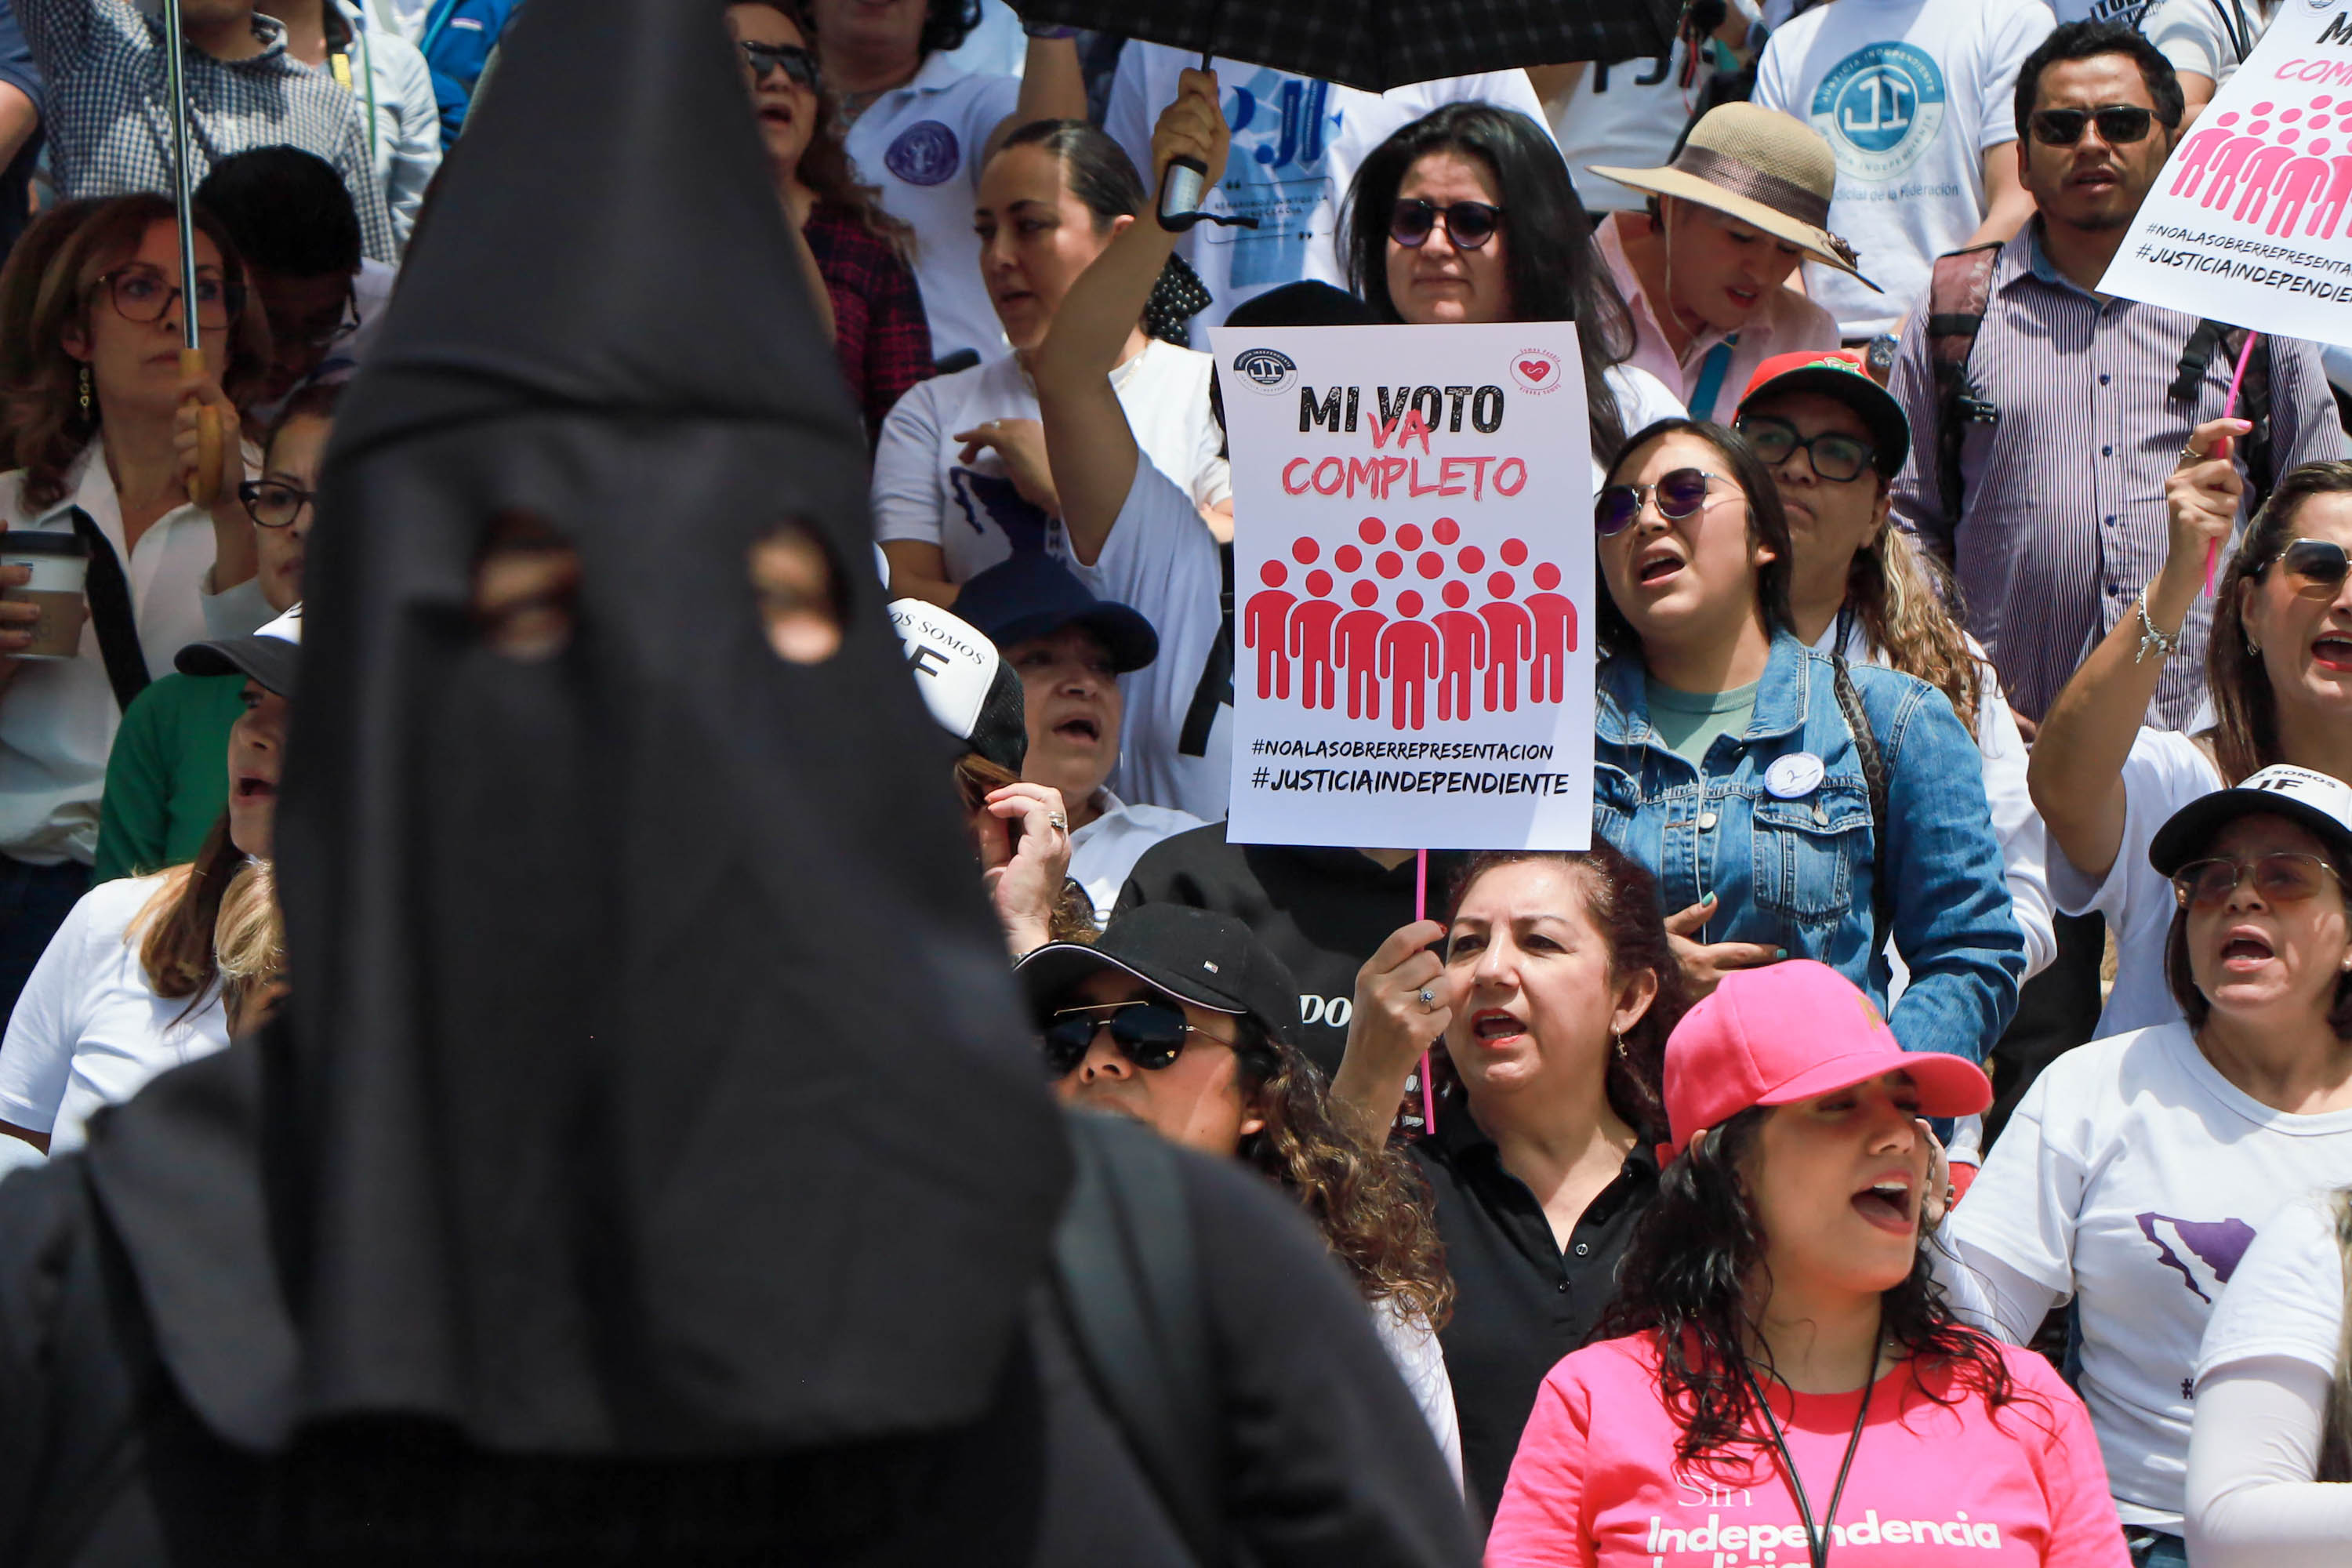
<point>184,195</point>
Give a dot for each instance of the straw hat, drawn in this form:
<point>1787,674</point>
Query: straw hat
<point>1764,168</point>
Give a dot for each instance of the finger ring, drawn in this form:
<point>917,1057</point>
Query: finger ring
<point>1058,820</point>
<point>2192,454</point>
<point>1428,1000</point>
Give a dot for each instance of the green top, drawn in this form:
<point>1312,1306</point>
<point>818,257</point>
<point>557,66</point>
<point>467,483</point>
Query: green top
<point>1688,722</point>
<point>167,777</point>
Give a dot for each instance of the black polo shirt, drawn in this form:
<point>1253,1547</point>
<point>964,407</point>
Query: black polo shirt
<point>1521,1302</point>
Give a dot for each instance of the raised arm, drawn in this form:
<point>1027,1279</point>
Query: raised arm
<point>2076,772</point>
<point>1093,448</point>
<point>1053,87</point>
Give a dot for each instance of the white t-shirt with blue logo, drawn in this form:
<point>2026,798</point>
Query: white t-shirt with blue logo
<point>920,143</point>
<point>1297,143</point>
<point>1911,94</point>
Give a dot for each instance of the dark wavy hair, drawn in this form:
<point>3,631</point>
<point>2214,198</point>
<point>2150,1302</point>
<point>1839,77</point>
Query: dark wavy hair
<point>1620,899</point>
<point>1370,1204</point>
<point>1555,270</point>
<point>2245,711</point>
<point>824,166</point>
<point>1768,524</point>
<point>1698,1252</point>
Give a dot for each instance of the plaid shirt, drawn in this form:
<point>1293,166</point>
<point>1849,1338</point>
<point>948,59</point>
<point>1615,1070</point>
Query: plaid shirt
<point>109,116</point>
<point>878,326</point>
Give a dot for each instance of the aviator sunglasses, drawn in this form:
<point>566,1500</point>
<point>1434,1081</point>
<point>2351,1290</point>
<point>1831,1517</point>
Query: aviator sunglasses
<point>1151,1034</point>
<point>2283,877</point>
<point>1469,224</point>
<point>1681,493</point>
<point>2120,124</point>
<point>2314,563</point>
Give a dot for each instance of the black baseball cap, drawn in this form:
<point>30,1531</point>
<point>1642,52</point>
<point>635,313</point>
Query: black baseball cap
<point>268,655</point>
<point>1031,594</point>
<point>1209,960</point>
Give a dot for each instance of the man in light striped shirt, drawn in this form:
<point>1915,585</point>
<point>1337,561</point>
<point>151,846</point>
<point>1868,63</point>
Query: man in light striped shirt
<point>2061,518</point>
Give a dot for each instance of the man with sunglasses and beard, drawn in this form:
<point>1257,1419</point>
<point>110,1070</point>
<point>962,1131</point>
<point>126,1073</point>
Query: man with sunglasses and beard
<point>2051,555</point>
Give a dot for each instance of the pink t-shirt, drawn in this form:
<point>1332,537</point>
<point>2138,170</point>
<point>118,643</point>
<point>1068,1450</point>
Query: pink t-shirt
<point>1930,1486</point>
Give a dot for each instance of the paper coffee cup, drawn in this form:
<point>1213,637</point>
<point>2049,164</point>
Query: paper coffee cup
<point>60,562</point>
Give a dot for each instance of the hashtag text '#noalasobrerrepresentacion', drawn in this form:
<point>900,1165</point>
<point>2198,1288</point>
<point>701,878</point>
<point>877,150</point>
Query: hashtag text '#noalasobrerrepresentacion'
<point>1408,750</point>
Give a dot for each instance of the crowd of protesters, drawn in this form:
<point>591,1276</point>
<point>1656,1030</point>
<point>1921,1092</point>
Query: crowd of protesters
<point>1918,1127</point>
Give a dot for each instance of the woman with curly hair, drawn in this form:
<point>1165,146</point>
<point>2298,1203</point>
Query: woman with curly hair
<point>1782,1376</point>
<point>1181,1019</point>
<point>1552,992</point>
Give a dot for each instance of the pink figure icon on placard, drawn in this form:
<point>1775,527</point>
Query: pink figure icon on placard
<point>2198,151</point>
<point>1266,627</point>
<point>1554,615</point>
<point>1356,637</point>
<point>1310,641</point>
<point>2297,183</point>
<point>1510,637</point>
<point>2330,210</point>
<point>1462,636</point>
<point>1409,661</point>
<point>2260,170</point>
<point>2229,161</point>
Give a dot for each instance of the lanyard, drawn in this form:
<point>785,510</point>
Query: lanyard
<point>1711,372</point>
<point>1817,1538</point>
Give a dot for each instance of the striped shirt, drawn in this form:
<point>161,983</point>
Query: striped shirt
<point>2062,520</point>
<point>109,116</point>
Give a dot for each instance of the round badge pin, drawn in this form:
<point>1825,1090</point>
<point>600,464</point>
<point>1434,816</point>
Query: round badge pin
<point>1796,774</point>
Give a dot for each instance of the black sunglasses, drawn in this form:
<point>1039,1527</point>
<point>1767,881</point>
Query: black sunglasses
<point>2318,564</point>
<point>1149,1034</point>
<point>1468,224</point>
<point>1681,493</point>
<point>798,63</point>
<point>1834,455</point>
<point>2120,124</point>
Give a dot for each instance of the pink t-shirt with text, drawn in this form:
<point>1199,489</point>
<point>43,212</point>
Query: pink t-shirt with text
<point>1596,1480</point>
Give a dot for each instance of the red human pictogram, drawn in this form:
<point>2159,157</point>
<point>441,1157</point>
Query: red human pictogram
<point>1462,637</point>
<point>1554,615</point>
<point>1409,662</point>
<point>1356,638</point>
<point>1266,627</point>
<point>1510,637</point>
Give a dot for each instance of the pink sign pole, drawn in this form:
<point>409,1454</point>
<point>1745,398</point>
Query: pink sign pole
<point>1421,912</point>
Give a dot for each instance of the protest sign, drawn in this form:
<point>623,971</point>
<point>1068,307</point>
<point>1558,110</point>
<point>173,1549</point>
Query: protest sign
<point>2247,224</point>
<point>1413,586</point>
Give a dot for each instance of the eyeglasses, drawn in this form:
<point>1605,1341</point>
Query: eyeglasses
<point>272,503</point>
<point>799,65</point>
<point>1681,493</point>
<point>2120,124</point>
<point>1149,1034</point>
<point>1469,224</point>
<point>2314,563</point>
<point>140,294</point>
<point>1835,457</point>
<point>2283,878</point>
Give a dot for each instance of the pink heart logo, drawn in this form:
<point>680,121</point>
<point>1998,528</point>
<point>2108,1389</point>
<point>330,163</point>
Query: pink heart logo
<point>1535,369</point>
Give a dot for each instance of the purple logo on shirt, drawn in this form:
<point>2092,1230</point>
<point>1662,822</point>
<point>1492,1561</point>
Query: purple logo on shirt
<point>926,153</point>
<point>2214,1248</point>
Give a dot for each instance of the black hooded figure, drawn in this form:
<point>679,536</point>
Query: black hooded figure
<point>651,1163</point>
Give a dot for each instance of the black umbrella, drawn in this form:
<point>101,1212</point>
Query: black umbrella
<point>1376,45</point>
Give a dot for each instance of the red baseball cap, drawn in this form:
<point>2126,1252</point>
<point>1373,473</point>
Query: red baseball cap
<point>1843,374</point>
<point>1791,1031</point>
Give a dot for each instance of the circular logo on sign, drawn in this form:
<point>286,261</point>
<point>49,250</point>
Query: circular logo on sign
<point>926,153</point>
<point>1536,370</point>
<point>1265,370</point>
<point>1881,108</point>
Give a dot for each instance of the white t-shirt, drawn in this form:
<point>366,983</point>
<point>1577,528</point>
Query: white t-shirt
<point>1628,116</point>
<point>2196,35</point>
<point>1413,1347</point>
<point>921,492</point>
<point>58,717</point>
<point>2164,771</point>
<point>1297,143</point>
<point>2131,1179</point>
<point>921,143</point>
<point>1105,850</point>
<point>1911,94</point>
<point>88,1029</point>
<point>1162,561</point>
<point>2127,11</point>
<point>1641,401</point>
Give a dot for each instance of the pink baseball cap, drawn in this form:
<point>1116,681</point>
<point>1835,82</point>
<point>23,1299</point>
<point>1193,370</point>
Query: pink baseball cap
<point>1788,1032</point>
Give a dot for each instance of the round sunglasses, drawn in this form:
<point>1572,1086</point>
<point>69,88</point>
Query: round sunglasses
<point>2284,876</point>
<point>1681,493</point>
<point>1835,457</point>
<point>1151,1034</point>
<point>1469,224</point>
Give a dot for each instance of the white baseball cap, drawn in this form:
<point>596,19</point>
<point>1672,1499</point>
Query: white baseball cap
<point>2317,801</point>
<point>965,682</point>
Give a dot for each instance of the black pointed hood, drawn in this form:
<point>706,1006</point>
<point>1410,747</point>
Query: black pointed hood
<point>653,1082</point>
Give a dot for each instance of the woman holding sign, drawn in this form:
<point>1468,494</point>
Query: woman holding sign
<point>2278,673</point>
<point>1811,809</point>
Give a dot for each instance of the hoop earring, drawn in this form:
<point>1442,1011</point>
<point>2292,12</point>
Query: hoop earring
<point>84,379</point>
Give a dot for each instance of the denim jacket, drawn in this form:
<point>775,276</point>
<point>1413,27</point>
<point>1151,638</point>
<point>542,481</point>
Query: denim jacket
<point>1792,868</point>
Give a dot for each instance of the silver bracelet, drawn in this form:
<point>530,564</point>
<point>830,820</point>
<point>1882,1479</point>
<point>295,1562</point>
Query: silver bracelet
<point>2164,643</point>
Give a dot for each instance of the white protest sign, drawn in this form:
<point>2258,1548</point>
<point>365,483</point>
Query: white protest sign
<point>2247,223</point>
<point>1412,571</point>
